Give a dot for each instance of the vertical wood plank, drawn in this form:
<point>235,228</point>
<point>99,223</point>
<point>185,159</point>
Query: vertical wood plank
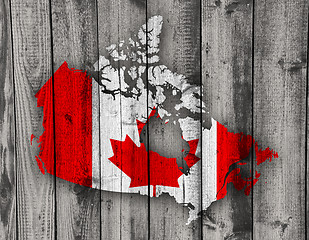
<point>179,51</point>
<point>108,14</point>
<point>124,216</point>
<point>134,209</point>
<point>307,144</point>
<point>7,129</point>
<point>32,68</point>
<point>280,60</point>
<point>227,81</point>
<point>74,31</point>
<point>108,30</point>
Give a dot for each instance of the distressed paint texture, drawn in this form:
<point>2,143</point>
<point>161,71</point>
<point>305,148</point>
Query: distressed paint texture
<point>209,69</point>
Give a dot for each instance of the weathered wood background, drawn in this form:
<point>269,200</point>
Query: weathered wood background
<point>250,56</point>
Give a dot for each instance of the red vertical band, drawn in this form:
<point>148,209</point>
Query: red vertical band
<point>73,125</point>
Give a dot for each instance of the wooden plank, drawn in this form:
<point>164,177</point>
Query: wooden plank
<point>280,60</point>
<point>179,53</point>
<point>120,21</point>
<point>74,31</point>
<point>227,81</point>
<point>108,16</point>
<point>7,129</point>
<point>134,209</point>
<point>32,68</point>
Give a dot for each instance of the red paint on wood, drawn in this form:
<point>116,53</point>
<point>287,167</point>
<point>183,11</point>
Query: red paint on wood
<point>133,161</point>
<point>73,125</point>
<point>40,164</point>
<point>231,149</point>
<point>31,140</point>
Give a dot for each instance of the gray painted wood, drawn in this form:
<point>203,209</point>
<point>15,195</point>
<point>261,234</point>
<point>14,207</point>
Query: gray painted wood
<point>108,19</point>
<point>280,60</point>
<point>134,223</point>
<point>180,53</point>
<point>32,68</point>
<point>74,31</point>
<point>121,20</point>
<point>7,129</point>
<point>227,80</point>
<point>279,82</point>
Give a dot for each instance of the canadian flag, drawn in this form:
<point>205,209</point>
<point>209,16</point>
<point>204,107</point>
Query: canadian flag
<point>93,139</point>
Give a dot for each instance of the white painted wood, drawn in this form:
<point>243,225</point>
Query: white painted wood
<point>96,165</point>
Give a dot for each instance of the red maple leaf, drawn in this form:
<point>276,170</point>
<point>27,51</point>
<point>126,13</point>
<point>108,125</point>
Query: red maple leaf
<point>133,161</point>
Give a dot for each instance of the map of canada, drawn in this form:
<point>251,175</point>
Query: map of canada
<point>133,70</point>
<point>133,125</point>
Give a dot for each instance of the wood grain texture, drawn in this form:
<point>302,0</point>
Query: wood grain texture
<point>180,53</point>
<point>74,31</point>
<point>7,129</point>
<point>180,38</point>
<point>108,20</point>
<point>280,60</point>
<point>268,101</point>
<point>119,21</point>
<point>32,68</point>
<point>227,81</point>
<point>134,223</point>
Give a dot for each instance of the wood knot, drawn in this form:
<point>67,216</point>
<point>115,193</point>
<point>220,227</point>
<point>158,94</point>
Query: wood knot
<point>68,117</point>
<point>237,6</point>
<point>109,204</point>
<point>218,3</point>
<point>4,195</point>
<point>77,189</point>
<point>292,66</point>
<point>5,189</point>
